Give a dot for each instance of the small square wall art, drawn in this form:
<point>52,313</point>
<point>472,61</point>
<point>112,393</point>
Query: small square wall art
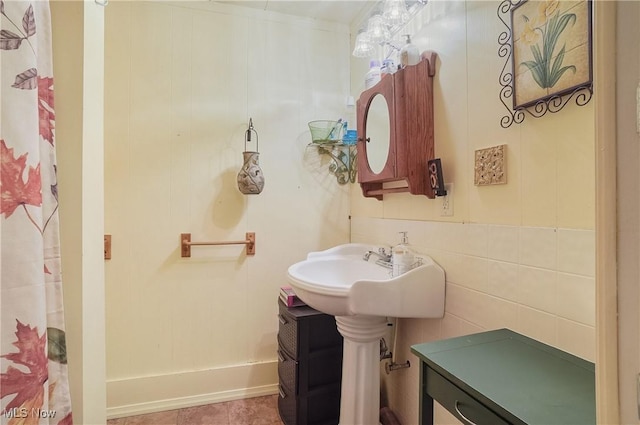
<point>491,166</point>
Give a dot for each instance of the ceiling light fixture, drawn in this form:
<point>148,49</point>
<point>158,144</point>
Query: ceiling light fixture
<point>386,19</point>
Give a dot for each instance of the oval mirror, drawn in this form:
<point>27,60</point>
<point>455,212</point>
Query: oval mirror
<point>378,131</point>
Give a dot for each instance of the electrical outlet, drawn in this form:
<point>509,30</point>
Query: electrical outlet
<point>446,206</point>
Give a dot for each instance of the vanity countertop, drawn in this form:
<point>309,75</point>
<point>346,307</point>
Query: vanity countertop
<point>521,380</point>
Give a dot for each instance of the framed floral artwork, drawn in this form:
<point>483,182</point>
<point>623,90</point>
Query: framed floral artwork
<point>551,50</point>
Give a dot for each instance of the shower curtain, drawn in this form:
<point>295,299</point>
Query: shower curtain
<point>34,387</point>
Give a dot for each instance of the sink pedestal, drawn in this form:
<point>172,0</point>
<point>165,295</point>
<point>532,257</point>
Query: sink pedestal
<point>360,394</point>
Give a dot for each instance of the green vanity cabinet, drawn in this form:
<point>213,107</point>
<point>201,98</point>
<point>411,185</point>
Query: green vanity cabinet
<point>502,377</point>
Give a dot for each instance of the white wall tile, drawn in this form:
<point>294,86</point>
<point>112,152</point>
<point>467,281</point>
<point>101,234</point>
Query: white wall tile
<point>537,288</point>
<point>537,324</point>
<point>486,294</point>
<point>392,228</point>
<point>428,230</point>
<point>466,304</point>
<point>577,339</point>
<point>431,329</point>
<point>409,332</point>
<point>448,236</point>
<point>577,251</point>
<point>452,265</point>
<point>469,328</point>
<point>538,247</point>
<point>503,243</point>
<point>474,273</point>
<point>503,280</point>
<point>577,298</point>
<point>471,272</point>
<point>473,239</point>
<point>451,326</point>
<point>366,229</point>
<point>499,314</point>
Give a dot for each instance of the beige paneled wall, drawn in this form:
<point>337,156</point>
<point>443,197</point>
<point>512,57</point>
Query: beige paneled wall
<point>182,80</point>
<point>520,255</point>
<point>550,160</point>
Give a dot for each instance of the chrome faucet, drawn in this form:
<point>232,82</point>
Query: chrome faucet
<point>382,253</point>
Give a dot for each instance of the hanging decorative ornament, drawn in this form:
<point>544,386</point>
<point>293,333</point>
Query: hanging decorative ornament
<point>250,177</point>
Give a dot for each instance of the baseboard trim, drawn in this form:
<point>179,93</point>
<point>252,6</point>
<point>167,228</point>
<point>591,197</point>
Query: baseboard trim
<point>137,396</point>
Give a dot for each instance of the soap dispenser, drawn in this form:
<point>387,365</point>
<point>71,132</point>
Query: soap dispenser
<point>409,54</point>
<point>402,257</point>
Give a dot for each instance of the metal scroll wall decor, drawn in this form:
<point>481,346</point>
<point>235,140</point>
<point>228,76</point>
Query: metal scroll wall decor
<point>547,51</point>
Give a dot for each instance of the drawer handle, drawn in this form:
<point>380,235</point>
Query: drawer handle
<point>280,356</point>
<point>282,320</point>
<point>281,391</point>
<point>470,422</point>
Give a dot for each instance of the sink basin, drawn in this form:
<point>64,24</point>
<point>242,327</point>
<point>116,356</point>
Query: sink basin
<point>361,295</point>
<point>339,282</point>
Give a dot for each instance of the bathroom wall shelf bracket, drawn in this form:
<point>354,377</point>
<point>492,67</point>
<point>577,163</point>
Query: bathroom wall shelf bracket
<point>186,244</point>
<point>343,160</point>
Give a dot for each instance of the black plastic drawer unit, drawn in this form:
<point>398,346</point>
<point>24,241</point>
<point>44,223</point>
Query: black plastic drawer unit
<point>309,367</point>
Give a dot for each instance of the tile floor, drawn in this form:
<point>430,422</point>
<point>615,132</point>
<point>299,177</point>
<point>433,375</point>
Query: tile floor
<point>251,411</point>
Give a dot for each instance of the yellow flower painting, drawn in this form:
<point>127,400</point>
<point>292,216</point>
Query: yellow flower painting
<point>551,48</point>
<point>547,9</point>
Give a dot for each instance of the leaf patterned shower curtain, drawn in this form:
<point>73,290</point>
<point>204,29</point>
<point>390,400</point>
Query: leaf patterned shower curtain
<point>34,387</point>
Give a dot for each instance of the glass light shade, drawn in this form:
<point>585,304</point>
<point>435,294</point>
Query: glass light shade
<point>378,30</point>
<point>395,12</point>
<point>364,46</point>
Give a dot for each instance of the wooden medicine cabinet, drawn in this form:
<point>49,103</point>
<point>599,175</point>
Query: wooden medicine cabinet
<point>395,128</point>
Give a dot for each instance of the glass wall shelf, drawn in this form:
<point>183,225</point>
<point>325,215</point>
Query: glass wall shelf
<point>343,160</point>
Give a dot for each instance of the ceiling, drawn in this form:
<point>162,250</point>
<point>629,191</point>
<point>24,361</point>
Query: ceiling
<point>340,11</point>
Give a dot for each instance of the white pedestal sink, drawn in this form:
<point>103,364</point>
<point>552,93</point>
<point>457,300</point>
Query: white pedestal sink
<point>362,294</point>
